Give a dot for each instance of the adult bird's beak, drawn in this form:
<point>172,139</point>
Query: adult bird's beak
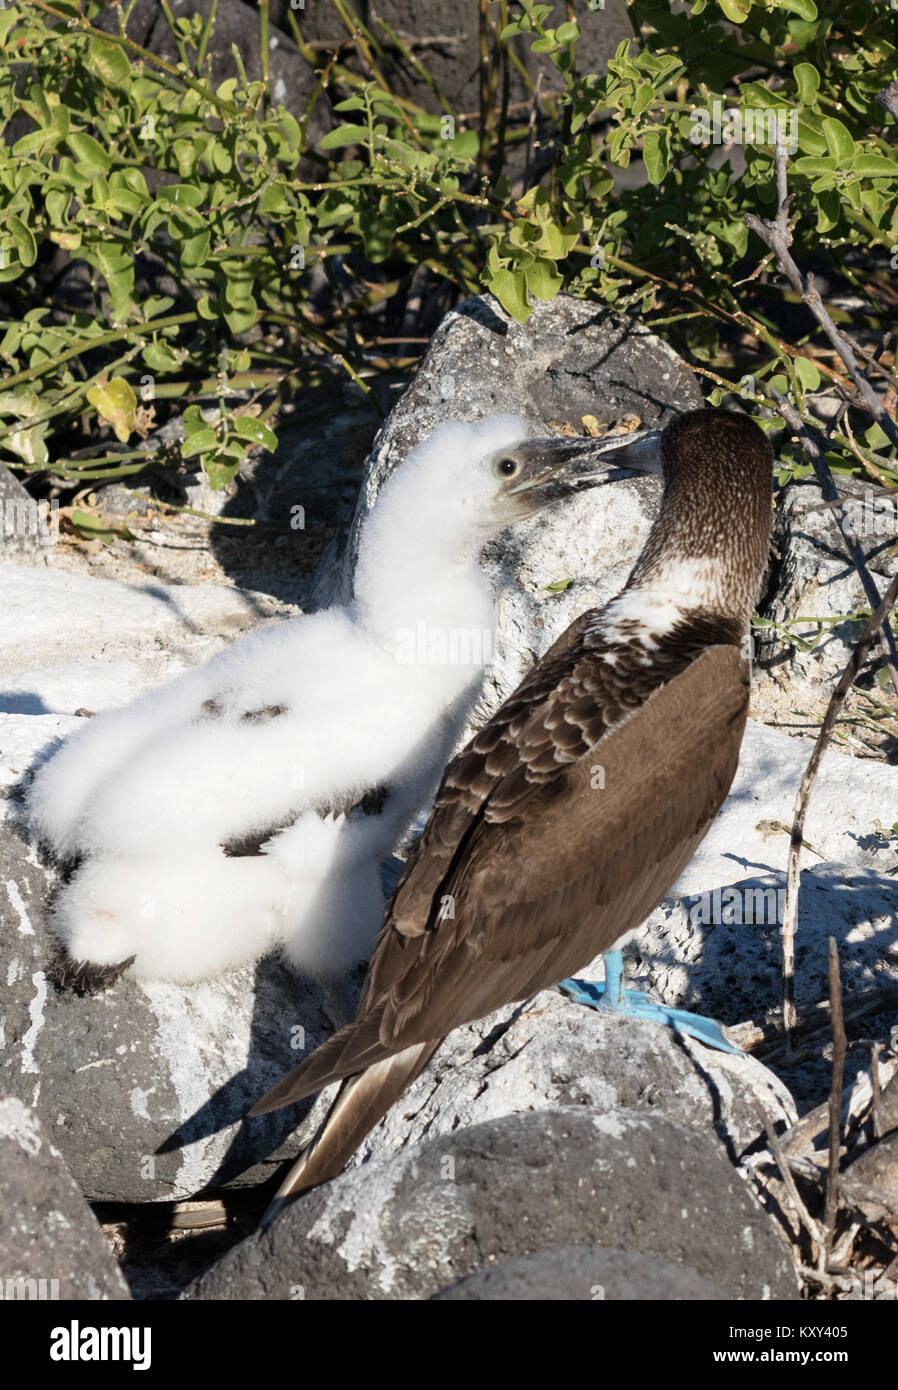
<point>555,468</point>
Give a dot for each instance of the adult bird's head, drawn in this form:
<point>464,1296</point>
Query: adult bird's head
<point>711,539</point>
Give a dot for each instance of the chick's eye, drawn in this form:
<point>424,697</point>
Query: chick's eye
<point>507,467</point>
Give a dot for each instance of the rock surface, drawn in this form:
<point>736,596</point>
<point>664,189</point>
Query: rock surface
<point>25,528</point>
<point>815,577</point>
<point>51,1246</point>
<point>145,1088</point>
<point>409,1226</point>
<point>552,1052</point>
<point>572,1273</point>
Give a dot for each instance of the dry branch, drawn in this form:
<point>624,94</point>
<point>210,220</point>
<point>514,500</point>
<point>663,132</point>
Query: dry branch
<point>777,237</point>
<point>835,1099</point>
<point>837,699</point>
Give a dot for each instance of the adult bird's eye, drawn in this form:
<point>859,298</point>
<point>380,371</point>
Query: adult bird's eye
<point>507,467</point>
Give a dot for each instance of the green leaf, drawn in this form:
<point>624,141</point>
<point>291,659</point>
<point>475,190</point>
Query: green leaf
<point>159,357</point>
<point>181,195</point>
<point>92,158</point>
<point>812,166</point>
<point>220,473</point>
<point>567,33</point>
<point>510,289</point>
<point>26,246</point>
<point>195,249</point>
<point>806,9</point>
<point>108,61</point>
<point>655,155</point>
<point>242,318</point>
<point>542,279</point>
<point>736,11</point>
<point>61,119</point>
<point>35,142</point>
<point>645,93</point>
<point>876,166</point>
<point>344,135</point>
<point>199,443</point>
<point>807,373</point>
<point>810,136</point>
<point>91,526</point>
<point>247,427</point>
<point>838,138</point>
<point>807,80</point>
<point>829,209</point>
<point>116,403</point>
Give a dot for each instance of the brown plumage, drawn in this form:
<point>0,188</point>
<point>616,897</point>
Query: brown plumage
<point>563,823</point>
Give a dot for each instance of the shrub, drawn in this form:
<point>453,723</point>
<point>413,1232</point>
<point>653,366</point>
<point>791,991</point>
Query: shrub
<point>140,171</point>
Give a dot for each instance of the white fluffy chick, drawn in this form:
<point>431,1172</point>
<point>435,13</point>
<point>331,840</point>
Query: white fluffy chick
<point>248,804</point>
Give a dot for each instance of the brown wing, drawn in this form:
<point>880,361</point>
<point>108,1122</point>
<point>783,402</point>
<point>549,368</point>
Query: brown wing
<point>494,904</point>
<point>536,897</point>
<point>572,698</point>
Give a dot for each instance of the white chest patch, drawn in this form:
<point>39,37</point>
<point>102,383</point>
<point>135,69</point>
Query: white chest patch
<point>640,616</point>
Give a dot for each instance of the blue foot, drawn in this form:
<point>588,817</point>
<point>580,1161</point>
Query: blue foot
<point>614,997</point>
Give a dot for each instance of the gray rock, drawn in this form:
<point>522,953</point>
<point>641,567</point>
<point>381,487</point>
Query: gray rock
<point>58,624</point>
<point>570,360</point>
<point>572,1273</point>
<point>815,577</point>
<point>722,953</point>
<point>412,1225</point>
<point>872,1179</point>
<point>27,527</point>
<point>552,1052</point>
<point>853,806</point>
<point>51,1246</point>
<point>144,1089</point>
<point>719,954</point>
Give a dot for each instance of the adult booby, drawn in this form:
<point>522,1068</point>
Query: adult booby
<point>249,802</point>
<point>563,823</point>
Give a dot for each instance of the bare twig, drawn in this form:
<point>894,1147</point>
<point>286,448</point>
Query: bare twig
<point>877,1091</point>
<point>835,1098</point>
<point>531,127</point>
<point>813,1228</point>
<point>873,359</point>
<point>766,1038</point>
<point>777,236</point>
<point>828,487</point>
<point>846,680</point>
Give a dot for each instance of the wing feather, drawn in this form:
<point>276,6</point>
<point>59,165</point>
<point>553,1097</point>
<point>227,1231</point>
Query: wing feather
<point>528,868</point>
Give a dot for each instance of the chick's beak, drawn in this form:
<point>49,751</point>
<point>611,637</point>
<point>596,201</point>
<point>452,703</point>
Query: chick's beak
<point>555,468</point>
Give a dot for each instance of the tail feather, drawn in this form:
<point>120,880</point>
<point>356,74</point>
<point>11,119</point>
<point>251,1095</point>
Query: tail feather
<point>349,1051</point>
<point>362,1101</point>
